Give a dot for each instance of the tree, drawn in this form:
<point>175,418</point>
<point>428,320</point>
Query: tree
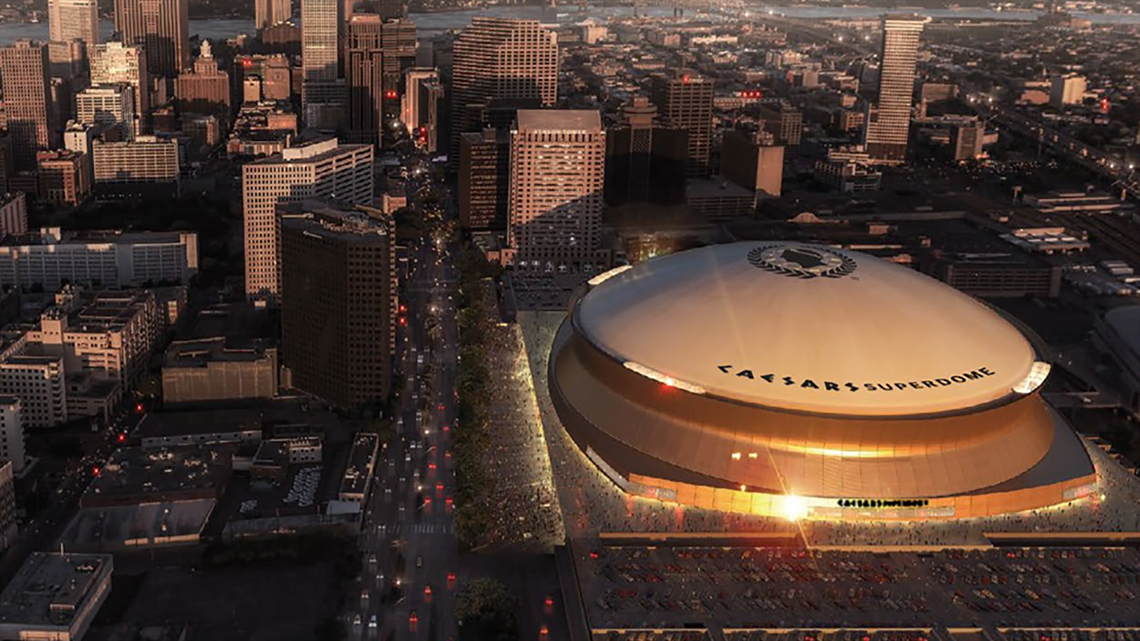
<point>486,612</point>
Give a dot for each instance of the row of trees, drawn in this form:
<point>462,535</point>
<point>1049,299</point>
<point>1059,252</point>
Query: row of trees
<point>471,432</point>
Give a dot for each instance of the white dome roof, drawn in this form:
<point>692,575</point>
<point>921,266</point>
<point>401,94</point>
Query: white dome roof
<point>806,328</point>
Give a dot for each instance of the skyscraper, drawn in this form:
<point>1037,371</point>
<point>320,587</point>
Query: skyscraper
<point>320,169</point>
<point>110,105</point>
<point>74,20</point>
<point>206,89</point>
<point>321,22</point>
<point>484,172</point>
<point>114,63</point>
<point>409,103</point>
<point>27,100</point>
<point>377,52</point>
<point>270,12</point>
<point>888,123</point>
<point>500,58</point>
<point>337,276</point>
<point>685,100</point>
<point>162,27</point>
<point>557,172</point>
<point>645,160</point>
<point>322,88</point>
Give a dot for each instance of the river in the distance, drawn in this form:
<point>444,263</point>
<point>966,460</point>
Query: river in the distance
<point>428,24</point>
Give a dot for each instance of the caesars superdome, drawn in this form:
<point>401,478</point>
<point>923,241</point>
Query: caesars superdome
<point>801,380</point>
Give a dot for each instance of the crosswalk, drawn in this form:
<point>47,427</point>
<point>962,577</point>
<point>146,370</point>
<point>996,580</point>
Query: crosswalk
<point>396,529</point>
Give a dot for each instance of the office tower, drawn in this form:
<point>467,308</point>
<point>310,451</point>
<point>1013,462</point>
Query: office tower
<point>409,102</point>
<point>753,161</point>
<point>270,12</point>
<point>685,100</point>
<point>391,9</point>
<point>783,121</point>
<point>162,27</point>
<point>320,169</point>
<point>337,321</point>
<point>888,123</point>
<point>320,34</point>
<point>74,20</point>
<point>431,104</point>
<point>27,101</point>
<point>557,171</point>
<point>271,74</point>
<point>377,52</point>
<point>206,89</point>
<point>9,531</point>
<point>63,177</point>
<point>108,104</point>
<point>500,58</point>
<point>284,38</point>
<point>12,434</point>
<point>113,63</point>
<point>323,92</point>
<point>645,159</point>
<point>147,167</point>
<point>13,215</point>
<point>66,60</point>
<point>484,174</point>
<point>1068,89</point>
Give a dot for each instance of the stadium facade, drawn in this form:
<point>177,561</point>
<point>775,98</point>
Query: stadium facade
<point>799,380</point>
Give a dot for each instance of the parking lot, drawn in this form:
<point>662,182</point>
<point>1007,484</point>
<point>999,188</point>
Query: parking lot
<point>774,587</point>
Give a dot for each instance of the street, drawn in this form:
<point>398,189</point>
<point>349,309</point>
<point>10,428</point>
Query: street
<point>407,537</point>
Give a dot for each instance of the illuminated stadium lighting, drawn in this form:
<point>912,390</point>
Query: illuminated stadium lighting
<point>665,379</point>
<point>606,275</point>
<point>1033,379</point>
<point>795,507</point>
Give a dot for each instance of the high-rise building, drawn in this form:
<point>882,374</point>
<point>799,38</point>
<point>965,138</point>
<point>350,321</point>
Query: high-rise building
<point>12,434</point>
<point>108,104</point>
<point>113,63</point>
<point>752,161</point>
<point>145,167</point>
<point>26,100</point>
<point>484,175</point>
<point>162,27</point>
<point>206,89</point>
<point>431,103</point>
<point>783,121</point>
<point>321,29</point>
<point>320,169</point>
<point>685,100</point>
<point>409,102</point>
<point>645,160</point>
<point>271,73</point>
<point>283,38</point>
<point>376,54</point>
<point>1068,89</point>
<point>557,172</point>
<point>270,12</point>
<point>8,529</point>
<point>13,213</point>
<point>500,58</point>
<point>63,177</point>
<point>888,123</point>
<point>338,284</point>
<point>74,20</point>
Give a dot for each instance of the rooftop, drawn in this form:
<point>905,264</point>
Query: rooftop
<point>51,588</point>
<point>133,470</point>
<point>562,119</point>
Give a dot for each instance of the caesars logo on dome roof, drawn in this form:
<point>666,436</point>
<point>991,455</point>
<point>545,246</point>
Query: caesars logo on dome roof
<point>801,261</point>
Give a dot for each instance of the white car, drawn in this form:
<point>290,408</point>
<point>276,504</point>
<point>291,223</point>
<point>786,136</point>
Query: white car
<point>372,623</point>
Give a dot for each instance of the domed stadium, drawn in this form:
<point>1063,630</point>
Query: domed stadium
<point>805,381</point>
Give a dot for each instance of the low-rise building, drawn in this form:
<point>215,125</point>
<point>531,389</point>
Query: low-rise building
<point>135,475</point>
<point>63,177</point>
<point>55,596</point>
<point>357,476</point>
<point>210,370</point>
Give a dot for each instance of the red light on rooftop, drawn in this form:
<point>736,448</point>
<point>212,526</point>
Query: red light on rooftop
<point>122,438</point>
<point>96,471</point>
